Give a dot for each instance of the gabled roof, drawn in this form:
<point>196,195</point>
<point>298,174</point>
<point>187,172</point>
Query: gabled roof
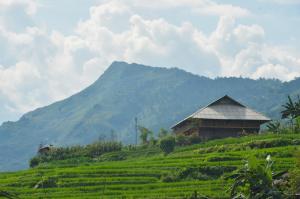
<point>226,108</point>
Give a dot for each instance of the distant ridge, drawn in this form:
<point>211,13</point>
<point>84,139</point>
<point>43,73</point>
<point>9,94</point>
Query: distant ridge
<point>158,97</point>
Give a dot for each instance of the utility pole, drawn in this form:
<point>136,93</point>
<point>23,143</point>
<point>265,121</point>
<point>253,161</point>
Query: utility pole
<point>136,130</point>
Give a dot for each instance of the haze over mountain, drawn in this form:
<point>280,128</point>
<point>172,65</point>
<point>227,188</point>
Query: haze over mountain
<point>158,97</point>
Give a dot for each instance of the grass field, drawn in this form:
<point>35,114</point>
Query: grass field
<point>144,172</point>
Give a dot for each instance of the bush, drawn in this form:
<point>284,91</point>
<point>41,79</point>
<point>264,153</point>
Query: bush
<point>34,162</point>
<point>169,177</point>
<point>181,140</point>
<point>194,138</point>
<point>162,133</point>
<point>93,150</point>
<point>269,143</point>
<point>98,148</point>
<point>167,144</point>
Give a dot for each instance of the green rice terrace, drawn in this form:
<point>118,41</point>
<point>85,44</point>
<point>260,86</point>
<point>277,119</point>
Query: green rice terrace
<point>204,169</point>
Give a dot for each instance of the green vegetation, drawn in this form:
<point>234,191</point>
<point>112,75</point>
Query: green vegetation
<point>295,176</point>
<point>194,171</point>
<point>158,97</point>
<point>291,109</point>
<point>85,153</point>
<point>145,135</point>
<point>255,180</point>
<point>167,144</point>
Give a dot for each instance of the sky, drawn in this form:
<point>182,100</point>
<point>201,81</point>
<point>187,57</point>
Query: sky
<point>50,50</point>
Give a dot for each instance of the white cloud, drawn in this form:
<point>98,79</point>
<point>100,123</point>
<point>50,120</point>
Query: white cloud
<point>274,71</point>
<point>246,34</point>
<point>18,84</point>
<point>212,8</point>
<point>30,5</point>
<point>282,2</point>
<point>203,7</point>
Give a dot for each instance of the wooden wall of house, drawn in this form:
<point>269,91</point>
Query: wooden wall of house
<point>209,133</point>
<point>218,128</point>
<point>230,123</point>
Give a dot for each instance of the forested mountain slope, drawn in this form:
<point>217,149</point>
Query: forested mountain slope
<point>158,97</point>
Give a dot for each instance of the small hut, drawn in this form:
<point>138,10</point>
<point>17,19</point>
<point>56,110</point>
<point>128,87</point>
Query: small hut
<point>44,149</point>
<point>224,117</point>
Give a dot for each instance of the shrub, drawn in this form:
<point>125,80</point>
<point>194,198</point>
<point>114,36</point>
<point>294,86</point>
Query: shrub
<point>181,140</point>
<point>162,133</point>
<point>98,148</point>
<point>167,144</point>
<point>169,177</point>
<point>194,138</point>
<point>144,134</point>
<point>269,143</point>
<point>296,142</point>
<point>34,162</point>
<point>152,141</point>
<point>76,152</point>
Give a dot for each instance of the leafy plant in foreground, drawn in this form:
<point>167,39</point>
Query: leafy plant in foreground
<point>254,181</point>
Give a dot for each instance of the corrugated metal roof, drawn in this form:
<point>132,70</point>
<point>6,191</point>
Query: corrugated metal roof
<point>226,108</point>
<point>228,112</point>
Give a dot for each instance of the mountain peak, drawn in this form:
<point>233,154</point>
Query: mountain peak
<point>157,96</point>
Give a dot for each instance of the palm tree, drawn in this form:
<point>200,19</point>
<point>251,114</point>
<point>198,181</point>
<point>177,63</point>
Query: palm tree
<point>291,109</point>
<point>274,126</point>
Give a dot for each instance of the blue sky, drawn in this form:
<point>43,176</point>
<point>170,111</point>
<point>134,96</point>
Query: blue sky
<point>52,49</point>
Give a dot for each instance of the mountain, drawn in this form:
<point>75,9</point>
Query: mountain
<point>158,97</point>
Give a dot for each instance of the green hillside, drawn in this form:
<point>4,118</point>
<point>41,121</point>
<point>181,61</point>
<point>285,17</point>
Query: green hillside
<point>158,97</point>
<point>147,173</point>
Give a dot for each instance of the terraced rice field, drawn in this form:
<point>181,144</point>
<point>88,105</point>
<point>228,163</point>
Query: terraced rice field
<point>140,175</point>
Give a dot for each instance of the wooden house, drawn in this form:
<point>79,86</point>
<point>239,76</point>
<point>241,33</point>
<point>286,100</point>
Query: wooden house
<point>224,117</point>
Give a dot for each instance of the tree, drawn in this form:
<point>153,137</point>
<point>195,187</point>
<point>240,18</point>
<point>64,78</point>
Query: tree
<point>167,144</point>
<point>181,140</point>
<point>144,134</point>
<point>162,133</point>
<point>291,109</point>
<point>255,181</point>
<point>274,127</point>
<point>34,161</point>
